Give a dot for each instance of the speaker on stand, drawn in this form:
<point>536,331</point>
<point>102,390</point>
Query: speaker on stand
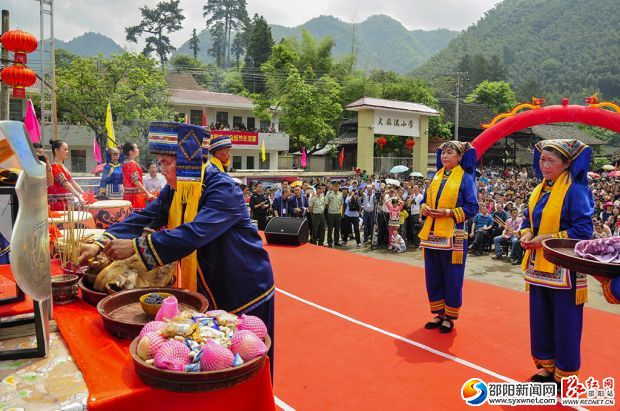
<point>287,230</point>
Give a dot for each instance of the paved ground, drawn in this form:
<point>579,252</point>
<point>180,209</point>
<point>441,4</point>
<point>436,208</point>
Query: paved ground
<point>484,269</point>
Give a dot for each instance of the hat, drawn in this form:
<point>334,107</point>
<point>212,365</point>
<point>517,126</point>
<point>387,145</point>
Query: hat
<point>574,150</point>
<point>164,138</point>
<point>295,184</point>
<point>219,142</point>
<point>188,143</point>
<point>608,204</point>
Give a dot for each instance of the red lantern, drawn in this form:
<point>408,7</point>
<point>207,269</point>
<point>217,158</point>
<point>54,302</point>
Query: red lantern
<point>18,77</point>
<point>381,142</point>
<point>410,143</point>
<point>20,43</point>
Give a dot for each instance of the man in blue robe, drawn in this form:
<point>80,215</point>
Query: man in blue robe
<point>208,227</point>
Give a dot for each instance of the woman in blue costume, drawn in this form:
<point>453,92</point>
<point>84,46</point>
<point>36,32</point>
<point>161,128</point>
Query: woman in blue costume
<point>449,201</point>
<point>208,228</point>
<point>561,206</point>
<point>111,185</point>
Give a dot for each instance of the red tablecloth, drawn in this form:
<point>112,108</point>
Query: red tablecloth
<point>8,289</point>
<point>113,384</point>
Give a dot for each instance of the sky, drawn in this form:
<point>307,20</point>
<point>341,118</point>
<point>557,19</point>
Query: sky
<point>110,17</point>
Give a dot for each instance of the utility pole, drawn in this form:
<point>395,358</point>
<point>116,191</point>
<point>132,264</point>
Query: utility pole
<point>4,90</point>
<point>459,78</point>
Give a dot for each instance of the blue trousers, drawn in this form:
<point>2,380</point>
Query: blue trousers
<point>555,329</point>
<point>444,282</point>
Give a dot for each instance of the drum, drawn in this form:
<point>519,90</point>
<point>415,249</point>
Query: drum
<point>80,219</point>
<point>108,212</point>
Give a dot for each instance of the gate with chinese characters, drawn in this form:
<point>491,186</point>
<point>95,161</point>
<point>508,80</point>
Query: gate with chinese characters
<point>389,117</point>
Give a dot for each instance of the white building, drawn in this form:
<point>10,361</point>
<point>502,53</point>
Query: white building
<point>248,133</point>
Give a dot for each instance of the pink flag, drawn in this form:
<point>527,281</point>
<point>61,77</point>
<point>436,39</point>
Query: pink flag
<point>96,151</point>
<point>31,123</point>
<point>304,160</point>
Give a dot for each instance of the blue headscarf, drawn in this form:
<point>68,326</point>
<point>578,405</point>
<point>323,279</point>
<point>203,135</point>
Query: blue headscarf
<point>469,159</point>
<point>574,150</point>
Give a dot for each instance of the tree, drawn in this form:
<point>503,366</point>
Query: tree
<point>166,16</point>
<point>218,47</point>
<point>194,43</point>
<point>496,95</point>
<point>63,58</point>
<point>260,41</point>
<point>310,111</point>
<point>530,88</point>
<point>258,51</point>
<point>131,83</point>
<point>232,14</point>
<point>237,49</point>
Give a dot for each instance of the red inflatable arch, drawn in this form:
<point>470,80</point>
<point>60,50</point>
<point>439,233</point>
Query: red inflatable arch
<point>545,115</point>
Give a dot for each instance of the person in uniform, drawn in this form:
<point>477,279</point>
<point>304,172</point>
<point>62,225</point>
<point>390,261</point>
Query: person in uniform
<point>208,228</point>
<point>561,206</point>
<point>111,185</point>
<point>259,205</point>
<point>449,201</point>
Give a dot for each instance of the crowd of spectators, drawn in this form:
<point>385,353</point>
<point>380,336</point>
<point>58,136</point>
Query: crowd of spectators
<point>371,211</point>
<point>239,127</point>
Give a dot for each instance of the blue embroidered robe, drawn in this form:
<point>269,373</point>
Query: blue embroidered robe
<point>234,271</point>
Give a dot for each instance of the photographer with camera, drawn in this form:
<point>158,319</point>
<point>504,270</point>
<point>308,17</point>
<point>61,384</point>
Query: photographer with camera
<point>259,204</point>
<point>352,217</point>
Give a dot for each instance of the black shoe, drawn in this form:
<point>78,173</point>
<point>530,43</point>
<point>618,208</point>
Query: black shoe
<point>497,257</point>
<point>515,262</point>
<point>432,324</point>
<point>446,329</point>
<point>542,378</point>
<point>338,245</point>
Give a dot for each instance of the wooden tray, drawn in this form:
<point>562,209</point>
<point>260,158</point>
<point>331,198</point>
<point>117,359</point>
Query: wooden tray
<point>90,295</point>
<point>561,251</point>
<point>196,381</point>
<point>123,316</point>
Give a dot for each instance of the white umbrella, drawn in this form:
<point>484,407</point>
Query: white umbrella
<point>392,182</point>
<point>416,174</point>
<point>399,169</point>
<point>608,167</point>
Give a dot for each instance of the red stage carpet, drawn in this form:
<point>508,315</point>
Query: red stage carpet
<point>349,335</point>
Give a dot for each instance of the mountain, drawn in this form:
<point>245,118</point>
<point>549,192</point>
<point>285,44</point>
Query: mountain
<point>90,44</point>
<point>380,41</point>
<point>570,48</point>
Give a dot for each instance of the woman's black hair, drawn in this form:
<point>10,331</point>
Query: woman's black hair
<point>128,146</point>
<point>56,144</point>
<point>37,145</point>
<point>557,153</point>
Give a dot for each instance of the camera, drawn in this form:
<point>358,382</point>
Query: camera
<point>41,158</point>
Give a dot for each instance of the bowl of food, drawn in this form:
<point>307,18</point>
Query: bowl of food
<point>64,288</point>
<point>151,302</point>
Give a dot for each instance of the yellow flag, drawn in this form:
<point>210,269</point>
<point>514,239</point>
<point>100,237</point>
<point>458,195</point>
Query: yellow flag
<point>262,152</point>
<point>109,127</point>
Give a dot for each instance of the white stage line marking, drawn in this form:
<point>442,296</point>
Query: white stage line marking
<point>407,340</point>
<point>283,405</point>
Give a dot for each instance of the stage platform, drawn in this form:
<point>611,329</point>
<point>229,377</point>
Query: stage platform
<point>350,336</point>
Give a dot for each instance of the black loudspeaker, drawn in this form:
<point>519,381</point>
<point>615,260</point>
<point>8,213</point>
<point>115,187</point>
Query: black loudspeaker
<point>286,230</point>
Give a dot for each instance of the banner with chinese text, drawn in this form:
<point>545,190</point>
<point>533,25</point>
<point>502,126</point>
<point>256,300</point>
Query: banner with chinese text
<point>396,123</point>
<point>246,138</point>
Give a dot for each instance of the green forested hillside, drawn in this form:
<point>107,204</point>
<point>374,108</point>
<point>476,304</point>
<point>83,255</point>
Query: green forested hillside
<point>561,47</point>
<point>380,41</point>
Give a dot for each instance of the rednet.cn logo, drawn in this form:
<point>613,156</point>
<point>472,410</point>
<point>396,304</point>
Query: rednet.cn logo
<point>590,392</point>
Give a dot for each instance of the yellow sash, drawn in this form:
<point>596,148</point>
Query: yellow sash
<point>550,220</point>
<point>444,227</point>
<point>187,196</point>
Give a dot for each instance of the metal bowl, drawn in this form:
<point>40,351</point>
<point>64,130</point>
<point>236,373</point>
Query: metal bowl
<point>64,288</point>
